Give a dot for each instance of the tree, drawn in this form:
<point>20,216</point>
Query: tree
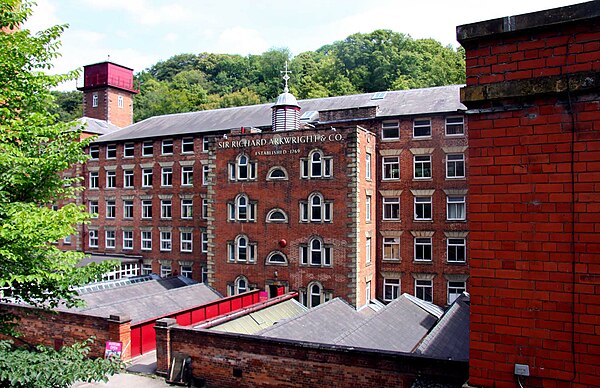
<point>68,105</point>
<point>34,151</point>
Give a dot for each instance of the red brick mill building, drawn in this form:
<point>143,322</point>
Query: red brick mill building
<point>359,196</point>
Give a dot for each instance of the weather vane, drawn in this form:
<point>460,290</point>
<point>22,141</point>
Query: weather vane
<point>286,77</point>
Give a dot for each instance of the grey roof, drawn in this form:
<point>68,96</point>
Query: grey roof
<point>449,339</point>
<point>101,258</point>
<point>441,99</point>
<point>97,127</point>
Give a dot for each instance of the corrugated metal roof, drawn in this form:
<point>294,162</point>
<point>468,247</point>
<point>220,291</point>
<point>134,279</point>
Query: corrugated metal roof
<point>440,99</point>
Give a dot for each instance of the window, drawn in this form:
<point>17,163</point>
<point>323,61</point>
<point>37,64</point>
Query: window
<point>187,145</point>
<point>456,250</point>
<point>120,101</point>
<point>422,208</point>
<point>204,208</point>
<point>147,177</point>
<point>128,239</point>
<point>187,207</point>
<point>185,238</point>
<point>314,291</point>
<point>204,241</point>
<point>276,258</point>
<point>242,209</point>
<point>456,208</point>
<point>240,285</point>
<point>455,289</point>
<point>110,239</point>
<point>422,128</point>
<point>317,166</point>
<point>147,208</point>
<point>205,144</point>
<point>186,270</point>
<point>165,240</point>
<point>277,215</point>
<point>277,173</point>
<point>391,289</point>
<point>146,240</point>
<point>128,208</point>
<point>93,241</point>
<point>110,209</point>
<point>111,179</point>
<point>390,130</point>
<point>316,209</point>
<point>93,208</point>
<point>67,239</point>
<point>368,166</point>
<point>147,148</point>
<point>424,290</point>
<point>187,175</point>
<point>95,100</point>
<point>146,268</point>
<point>368,208</point>
<point>368,291</point>
<point>93,179</point>
<point>243,169</point>
<point>391,248</point>
<point>165,208</point>
<point>391,208</point>
<point>167,176</point>
<point>316,253</point>
<point>455,166</point>
<point>128,150</point>
<point>94,152</point>
<point>422,166</point>
<point>368,250</point>
<point>167,147</point>
<point>241,250</point>
<point>128,179</point>
<point>455,126</point>
<point>111,151</point>
<point>205,177</point>
<point>423,249</point>
<point>391,167</point>
<point>165,270</point>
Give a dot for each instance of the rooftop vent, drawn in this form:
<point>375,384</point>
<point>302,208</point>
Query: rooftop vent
<point>310,115</point>
<point>378,96</point>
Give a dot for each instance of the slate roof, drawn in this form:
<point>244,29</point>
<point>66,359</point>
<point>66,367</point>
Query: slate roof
<point>440,99</point>
<point>101,258</point>
<point>97,127</point>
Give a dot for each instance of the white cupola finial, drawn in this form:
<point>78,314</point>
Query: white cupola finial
<point>286,77</point>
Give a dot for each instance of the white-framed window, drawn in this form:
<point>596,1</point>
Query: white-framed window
<point>166,177</point>
<point>147,148</point>
<point>93,238</point>
<point>240,285</point>
<point>204,241</point>
<point>165,241</point>
<point>391,248</point>
<point>67,239</point>
<point>204,208</point>
<point>205,144</point>
<point>316,166</point>
<point>147,177</point>
<point>205,175</point>
<point>128,150</point>
<point>165,270</point>
<point>368,291</point>
<point>423,249</point>
<point>422,166</point>
<point>186,270</point>
<point>127,239</point>
<point>455,289</point>
<point>242,250</point>
<point>187,208</point>
<point>277,216</point>
<point>146,208</point>
<point>146,268</point>
<point>128,208</point>
<point>111,151</point>
<point>187,175</point>
<point>187,145</point>
<point>422,128</point>
<point>455,126</point>
<point>391,208</point>
<point>94,152</point>
<point>128,179</point>
<point>120,103</point>
<point>111,208</point>
<point>111,179</point>
<point>316,253</point>
<point>93,179</point>
<point>391,167</point>
<point>242,209</point>
<point>456,250</point>
<point>95,100</point>
<point>424,290</point>
<point>423,211</point>
<point>277,258</point>
<point>368,250</point>
<point>368,208</point>
<point>277,173</point>
<point>243,169</point>
<point>455,166</point>
<point>368,166</point>
<point>391,289</point>
<point>315,294</point>
<point>166,207</point>
<point>390,130</point>
<point>93,208</point>
<point>146,238</point>
<point>456,208</point>
<point>185,237</point>
<point>316,209</point>
<point>167,147</point>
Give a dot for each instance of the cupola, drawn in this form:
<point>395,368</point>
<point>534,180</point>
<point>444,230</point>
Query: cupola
<point>286,111</point>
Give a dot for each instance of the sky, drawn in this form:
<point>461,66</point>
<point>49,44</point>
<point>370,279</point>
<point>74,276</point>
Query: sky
<point>139,33</point>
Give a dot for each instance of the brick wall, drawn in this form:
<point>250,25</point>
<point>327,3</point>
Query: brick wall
<point>108,106</point>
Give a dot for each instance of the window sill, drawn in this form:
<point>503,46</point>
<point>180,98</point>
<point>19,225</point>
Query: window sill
<point>457,263</point>
<point>424,221</point>
<point>456,221</point>
<point>422,261</point>
<point>393,220</point>
<point>428,179</point>
<point>390,139</point>
<point>391,260</point>
<point>422,138</point>
<point>458,178</point>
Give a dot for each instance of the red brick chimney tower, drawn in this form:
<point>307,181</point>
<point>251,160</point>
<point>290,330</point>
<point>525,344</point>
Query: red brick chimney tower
<point>108,93</point>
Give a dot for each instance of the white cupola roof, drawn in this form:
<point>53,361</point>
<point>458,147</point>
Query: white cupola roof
<point>286,111</point>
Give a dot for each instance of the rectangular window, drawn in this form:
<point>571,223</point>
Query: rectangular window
<point>422,166</point>
<point>165,208</point>
<point>167,147</point>
<point>455,289</point>
<point>186,208</point>
<point>147,148</point>
<point>423,249</point>
<point>391,289</point>
<point>456,208</point>
<point>128,179</point>
<point>128,239</point>
<point>147,208</point>
<point>146,240</point>
<point>391,208</point>
<point>94,152</point>
<point>391,168</point>
<point>424,290</point>
<point>390,130</point>
<point>147,177</point>
<point>368,250</point>
<point>111,179</point>
<point>111,151</point>
<point>95,100</point>
<point>455,126</point>
<point>368,166</point>
<point>67,239</point>
<point>120,103</point>
<point>93,208</point>
<point>111,209</point>
<point>422,128</point>
<point>165,241</point>
<point>187,145</point>
<point>167,176</point>
<point>186,270</point>
<point>186,241</point>
<point>110,239</point>
<point>93,241</point>
<point>93,179</point>
<point>422,208</point>
<point>205,171</point>
<point>165,270</point>
<point>455,166</point>
<point>391,248</point>
<point>456,250</point>
<point>128,208</point>
<point>204,237</point>
<point>146,268</point>
<point>368,208</point>
<point>204,208</point>
<point>128,150</point>
<point>205,144</point>
<point>187,175</point>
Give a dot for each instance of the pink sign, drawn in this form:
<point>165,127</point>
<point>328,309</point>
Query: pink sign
<point>113,349</point>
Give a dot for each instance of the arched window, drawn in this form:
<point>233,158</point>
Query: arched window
<point>316,253</point>
<point>316,166</point>
<point>277,215</point>
<point>243,169</point>
<point>240,285</point>
<point>315,290</point>
<point>276,258</point>
<point>242,209</point>
<point>277,173</point>
<point>241,250</point>
<point>316,209</point>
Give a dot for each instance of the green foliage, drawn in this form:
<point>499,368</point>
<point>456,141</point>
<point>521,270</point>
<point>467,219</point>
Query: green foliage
<point>68,105</point>
<point>35,150</point>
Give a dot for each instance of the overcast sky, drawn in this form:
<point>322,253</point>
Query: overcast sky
<point>139,33</point>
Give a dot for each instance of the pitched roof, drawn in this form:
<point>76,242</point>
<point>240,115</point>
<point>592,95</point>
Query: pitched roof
<point>97,127</point>
<point>440,99</point>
